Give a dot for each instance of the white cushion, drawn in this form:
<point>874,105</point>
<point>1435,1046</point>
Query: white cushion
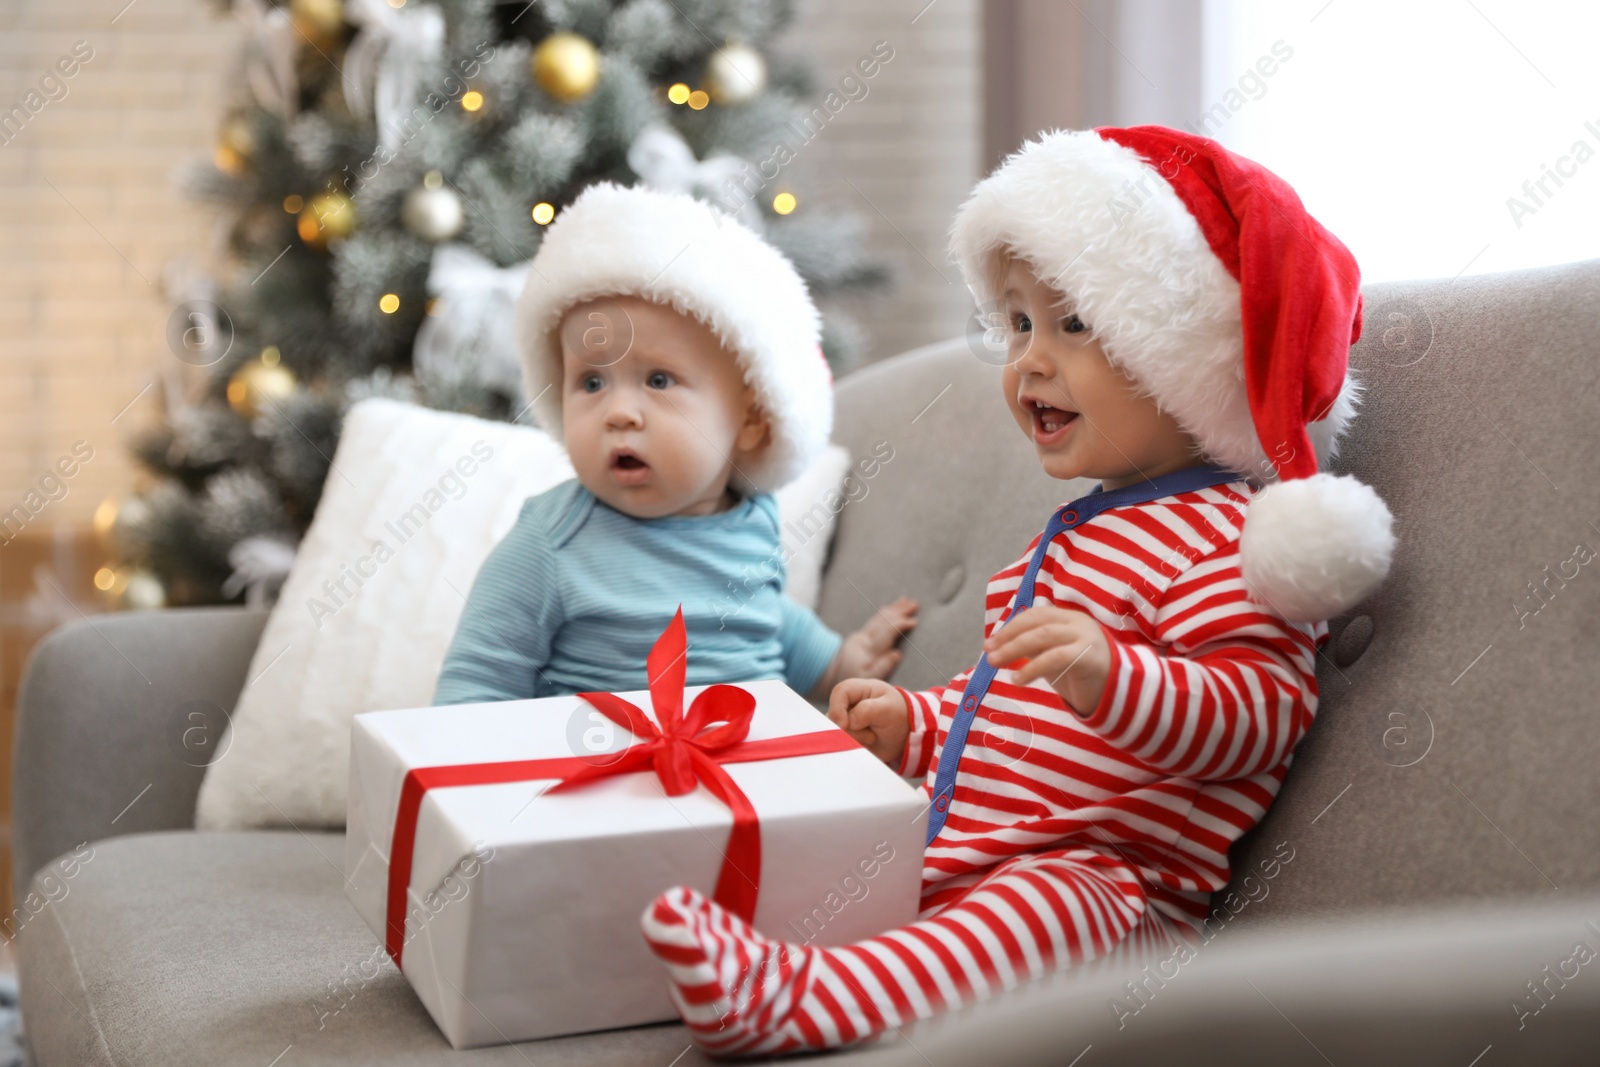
<point>327,654</point>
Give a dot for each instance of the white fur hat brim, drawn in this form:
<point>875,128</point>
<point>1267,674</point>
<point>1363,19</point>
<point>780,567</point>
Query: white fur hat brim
<point>677,251</point>
<point>1099,223</point>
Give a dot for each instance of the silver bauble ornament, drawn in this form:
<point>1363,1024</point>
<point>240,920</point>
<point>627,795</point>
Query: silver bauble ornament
<point>736,73</point>
<point>433,211</point>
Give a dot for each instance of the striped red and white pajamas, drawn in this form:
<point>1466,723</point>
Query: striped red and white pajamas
<point>1067,837</point>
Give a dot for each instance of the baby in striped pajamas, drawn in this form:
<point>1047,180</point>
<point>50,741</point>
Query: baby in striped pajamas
<point>1142,687</point>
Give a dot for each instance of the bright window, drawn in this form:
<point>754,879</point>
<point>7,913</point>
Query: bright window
<point>1433,137</point>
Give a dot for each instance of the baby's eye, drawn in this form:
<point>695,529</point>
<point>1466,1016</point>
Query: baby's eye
<point>1020,323</point>
<point>590,383</point>
<point>659,379</point>
<point>1074,324</point>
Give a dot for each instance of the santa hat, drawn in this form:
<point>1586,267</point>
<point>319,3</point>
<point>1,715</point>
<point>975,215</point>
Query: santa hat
<point>674,250</point>
<point>1207,282</point>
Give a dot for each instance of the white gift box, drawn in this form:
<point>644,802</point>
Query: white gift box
<point>523,906</point>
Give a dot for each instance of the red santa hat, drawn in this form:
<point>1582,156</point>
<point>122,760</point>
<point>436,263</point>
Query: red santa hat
<point>1208,283</point>
<point>672,249</point>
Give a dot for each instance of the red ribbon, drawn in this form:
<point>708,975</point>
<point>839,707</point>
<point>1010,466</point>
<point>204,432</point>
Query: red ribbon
<point>683,750</point>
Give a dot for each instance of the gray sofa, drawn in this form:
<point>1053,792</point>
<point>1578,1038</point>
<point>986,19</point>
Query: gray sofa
<point>1428,878</point>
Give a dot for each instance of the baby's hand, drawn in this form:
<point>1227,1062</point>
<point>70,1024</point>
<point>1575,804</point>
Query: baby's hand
<point>870,652</point>
<point>873,712</point>
<point>1065,647</point>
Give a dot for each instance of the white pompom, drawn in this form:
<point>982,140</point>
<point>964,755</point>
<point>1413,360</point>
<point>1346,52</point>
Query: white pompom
<point>1312,548</point>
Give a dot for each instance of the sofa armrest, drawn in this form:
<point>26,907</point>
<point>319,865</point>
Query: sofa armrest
<point>116,718</point>
<point>1418,985</point>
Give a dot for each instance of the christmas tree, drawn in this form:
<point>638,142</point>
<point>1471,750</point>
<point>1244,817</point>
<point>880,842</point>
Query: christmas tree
<point>384,177</point>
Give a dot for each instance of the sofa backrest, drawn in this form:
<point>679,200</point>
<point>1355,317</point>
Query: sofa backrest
<point>1457,736</point>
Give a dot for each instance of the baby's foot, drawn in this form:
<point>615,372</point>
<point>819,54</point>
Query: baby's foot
<point>734,988</point>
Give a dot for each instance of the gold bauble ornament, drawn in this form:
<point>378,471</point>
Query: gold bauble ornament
<point>328,217</point>
<point>566,66</point>
<point>320,20</point>
<point>736,73</point>
<point>260,384</point>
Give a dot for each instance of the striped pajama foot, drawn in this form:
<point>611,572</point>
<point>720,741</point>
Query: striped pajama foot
<point>735,990</point>
<point>740,993</point>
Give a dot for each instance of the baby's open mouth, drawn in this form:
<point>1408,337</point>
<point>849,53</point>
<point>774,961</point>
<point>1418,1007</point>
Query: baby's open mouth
<point>1048,420</point>
<point>626,462</point>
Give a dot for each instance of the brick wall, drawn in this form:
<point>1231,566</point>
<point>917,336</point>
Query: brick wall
<point>90,216</point>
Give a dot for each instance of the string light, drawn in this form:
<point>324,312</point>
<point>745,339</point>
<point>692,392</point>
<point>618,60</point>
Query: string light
<point>227,160</point>
<point>105,578</point>
<point>105,517</point>
<point>471,100</point>
<point>699,99</point>
<point>388,303</point>
<point>292,204</point>
<point>678,94</point>
<point>543,213</point>
<point>784,203</point>
<point>270,356</point>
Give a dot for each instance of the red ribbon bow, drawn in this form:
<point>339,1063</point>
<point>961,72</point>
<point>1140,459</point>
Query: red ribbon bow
<point>682,749</point>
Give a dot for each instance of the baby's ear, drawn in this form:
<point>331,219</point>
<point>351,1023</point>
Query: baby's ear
<point>756,432</point>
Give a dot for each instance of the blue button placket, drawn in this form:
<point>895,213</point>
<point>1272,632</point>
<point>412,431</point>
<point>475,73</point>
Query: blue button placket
<point>1072,514</point>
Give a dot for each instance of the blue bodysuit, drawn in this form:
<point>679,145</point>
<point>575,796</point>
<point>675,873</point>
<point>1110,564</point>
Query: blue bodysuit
<point>572,598</point>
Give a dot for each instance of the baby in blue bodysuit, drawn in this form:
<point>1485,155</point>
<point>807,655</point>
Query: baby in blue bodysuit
<point>676,354</point>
